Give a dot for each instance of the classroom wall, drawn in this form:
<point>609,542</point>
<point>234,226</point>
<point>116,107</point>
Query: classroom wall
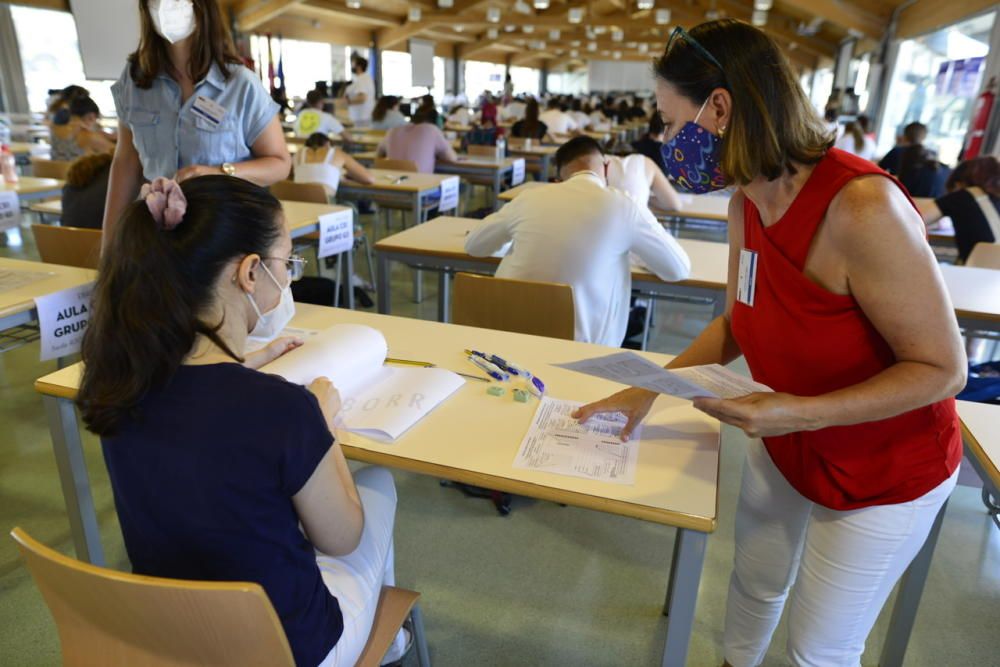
<point>607,75</point>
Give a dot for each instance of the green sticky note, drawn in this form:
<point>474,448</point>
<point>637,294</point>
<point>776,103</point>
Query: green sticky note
<point>521,396</point>
<point>495,391</point>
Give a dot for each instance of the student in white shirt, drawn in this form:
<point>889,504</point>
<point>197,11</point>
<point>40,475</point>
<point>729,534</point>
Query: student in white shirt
<point>360,93</point>
<point>580,232</point>
<point>513,111</point>
<point>461,115</point>
<point>639,177</point>
<point>854,140</point>
<point>580,115</point>
<point>557,120</point>
<point>312,119</point>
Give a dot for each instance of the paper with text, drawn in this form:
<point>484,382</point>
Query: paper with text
<point>558,443</point>
<point>517,173</point>
<point>62,319</point>
<point>336,233</point>
<point>712,381</point>
<point>449,194</point>
<point>378,401</point>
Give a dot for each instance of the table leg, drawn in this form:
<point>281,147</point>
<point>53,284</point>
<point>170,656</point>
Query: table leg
<point>648,322</point>
<point>418,283</point>
<point>444,296</point>
<point>546,166</point>
<point>682,594</point>
<point>497,184</point>
<point>911,587</point>
<point>382,283</point>
<point>73,476</point>
<point>349,275</point>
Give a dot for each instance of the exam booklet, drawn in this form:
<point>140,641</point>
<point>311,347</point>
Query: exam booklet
<point>712,380</point>
<point>378,401</point>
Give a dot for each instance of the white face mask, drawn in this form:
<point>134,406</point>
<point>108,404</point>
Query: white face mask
<point>173,20</point>
<point>270,324</point>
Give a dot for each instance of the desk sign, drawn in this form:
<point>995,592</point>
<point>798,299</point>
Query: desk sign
<point>10,210</point>
<point>517,175</point>
<point>62,319</point>
<point>336,233</point>
<point>449,194</point>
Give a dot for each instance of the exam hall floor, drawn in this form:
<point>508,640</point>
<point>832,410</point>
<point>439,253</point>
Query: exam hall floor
<point>547,585</point>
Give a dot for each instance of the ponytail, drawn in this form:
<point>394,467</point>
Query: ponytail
<point>154,285</point>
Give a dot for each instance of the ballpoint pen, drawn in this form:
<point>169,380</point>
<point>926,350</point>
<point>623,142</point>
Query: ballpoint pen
<point>490,369</point>
<point>427,364</point>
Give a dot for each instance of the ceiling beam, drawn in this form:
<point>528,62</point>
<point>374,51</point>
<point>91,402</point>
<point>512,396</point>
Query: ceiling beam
<point>843,14</point>
<point>251,13</point>
<point>390,37</point>
<point>340,10</point>
<point>925,15</point>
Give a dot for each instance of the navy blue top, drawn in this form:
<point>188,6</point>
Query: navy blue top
<point>203,479</point>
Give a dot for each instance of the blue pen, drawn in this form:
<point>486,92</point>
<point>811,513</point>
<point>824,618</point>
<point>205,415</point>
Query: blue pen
<point>488,368</point>
<point>499,362</point>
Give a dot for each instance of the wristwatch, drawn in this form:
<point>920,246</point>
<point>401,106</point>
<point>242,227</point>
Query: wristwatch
<point>228,168</point>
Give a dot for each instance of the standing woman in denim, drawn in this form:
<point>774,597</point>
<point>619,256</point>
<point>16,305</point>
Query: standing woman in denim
<point>188,107</point>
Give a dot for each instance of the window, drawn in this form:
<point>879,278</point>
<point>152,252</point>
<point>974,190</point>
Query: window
<point>568,83</point>
<point>481,76</point>
<point>54,62</point>
<point>397,77</point>
<point>525,80</point>
<point>303,63</point>
<point>935,81</point>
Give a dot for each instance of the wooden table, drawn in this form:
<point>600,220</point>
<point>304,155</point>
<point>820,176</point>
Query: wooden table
<point>17,306</point>
<point>676,480</point>
<point>975,293</point>
<point>415,189</point>
<point>30,187</point>
<point>439,245</point>
<point>981,435</point>
<point>541,154</point>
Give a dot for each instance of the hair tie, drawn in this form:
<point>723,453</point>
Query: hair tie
<point>166,202</point>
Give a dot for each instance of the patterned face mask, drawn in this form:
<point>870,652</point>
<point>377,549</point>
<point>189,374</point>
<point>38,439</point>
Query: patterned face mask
<point>692,158</point>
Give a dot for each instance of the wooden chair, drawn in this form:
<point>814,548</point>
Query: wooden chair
<point>985,256</point>
<point>485,151</point>
<point>537,308</point>
<point>111,618</point>
<point>71,246</point>
<point>42,168</point>
<point>396,165</point>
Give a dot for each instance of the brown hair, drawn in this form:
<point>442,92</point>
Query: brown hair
<point>530,125</point>
<point>854,129</point>
<point>982,172</point>
<point>210,43</point>
<point>154,286</point>
<point>85,169</point>
<point>773,125</point>
<point>383,105</point>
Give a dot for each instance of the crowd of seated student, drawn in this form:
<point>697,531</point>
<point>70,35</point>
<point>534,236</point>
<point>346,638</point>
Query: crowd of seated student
<point>313,117</point>
<point>420,141</point>
<point>557,120</point>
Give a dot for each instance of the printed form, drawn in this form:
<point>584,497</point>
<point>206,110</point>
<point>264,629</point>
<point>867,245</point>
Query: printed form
<point>558,443</point>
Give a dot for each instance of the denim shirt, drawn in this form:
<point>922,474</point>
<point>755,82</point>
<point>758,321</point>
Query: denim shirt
<point>168,135</point>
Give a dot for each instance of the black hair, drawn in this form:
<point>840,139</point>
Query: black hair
<point>314,97</point>
<point>359,61</point>
<point>83,105</point>
<point>656,124</point>
<point>154,285</point>
<point>576,148</point>
<point>317,140</point>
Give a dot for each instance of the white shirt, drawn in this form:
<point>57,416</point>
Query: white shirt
<point>846,143</point>
<point>580,233</point>
<point>582,120</point>
<point>513,111</point>
<point>313,120</point>
<point>629,175</point>
<point>557,121</point>
<point>462,116</point>
<point>323,172</point>
<point>361,114</point>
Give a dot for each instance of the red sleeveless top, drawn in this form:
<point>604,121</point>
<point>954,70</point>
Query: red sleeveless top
<point>802,339</point>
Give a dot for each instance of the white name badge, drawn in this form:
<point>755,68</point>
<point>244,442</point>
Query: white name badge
<point>208,109</point>
<point>517,175</point>
<point>746,286</point>
<point>449,194</point>
<point>62,319</point>
<point>10,210</point>
<point>336,233</point>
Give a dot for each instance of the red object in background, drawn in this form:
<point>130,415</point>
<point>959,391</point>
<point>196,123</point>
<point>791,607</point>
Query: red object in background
<point>980,118</point>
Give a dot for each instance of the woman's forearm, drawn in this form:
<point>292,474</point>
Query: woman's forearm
<point>264,171</point>
<point>123,188</point>
<point>714,345</point>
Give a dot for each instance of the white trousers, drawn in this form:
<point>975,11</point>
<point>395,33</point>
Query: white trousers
<point>357,578</point>
<point>838,567</point>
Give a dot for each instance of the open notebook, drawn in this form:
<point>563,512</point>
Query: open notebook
<point>378,401</point>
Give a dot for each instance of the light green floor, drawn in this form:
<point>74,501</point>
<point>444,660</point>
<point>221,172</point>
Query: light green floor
<point>547,585</point>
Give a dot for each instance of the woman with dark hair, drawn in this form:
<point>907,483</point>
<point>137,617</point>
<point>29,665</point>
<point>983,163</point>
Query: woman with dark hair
<point>854,140</point>
<point>972,203</point>
<point>837,303</point>
<point>188,107</point>
<point>215,465</point>
<point>530,127</point>
<point>386,114</point>
<point>915,165</point>
<point>85,191</point>
<point>420,141</point>
<point>82,135</point>
<point>320,162</point>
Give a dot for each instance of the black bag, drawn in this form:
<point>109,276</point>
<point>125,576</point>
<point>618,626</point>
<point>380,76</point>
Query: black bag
<point>983,385</point>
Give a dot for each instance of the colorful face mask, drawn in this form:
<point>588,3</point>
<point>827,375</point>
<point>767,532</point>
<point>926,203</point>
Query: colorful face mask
<point>692,158</point>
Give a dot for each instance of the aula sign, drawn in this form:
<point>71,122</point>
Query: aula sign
<point>62,320</point>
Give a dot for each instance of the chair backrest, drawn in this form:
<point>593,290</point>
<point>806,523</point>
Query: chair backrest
<point>118,619</point>
<point>313,193</point>
<point>396,165</point>
<point>985,256</point>
<point>43,168</point>
<point>541,309</point>
<point>71,246</point>
<point>488,151</point>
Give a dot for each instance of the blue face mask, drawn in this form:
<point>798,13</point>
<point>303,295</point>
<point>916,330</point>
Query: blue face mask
<point>692,159</point>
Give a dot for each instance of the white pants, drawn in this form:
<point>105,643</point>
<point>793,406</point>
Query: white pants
<point>839,566</point>
<point>357,578</point>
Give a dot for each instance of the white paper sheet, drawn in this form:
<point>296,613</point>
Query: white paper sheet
<point>713,381</point>
<point>559,444</point>
<point>62,320</point>
<point>377,401</point>
<point>336,233</point>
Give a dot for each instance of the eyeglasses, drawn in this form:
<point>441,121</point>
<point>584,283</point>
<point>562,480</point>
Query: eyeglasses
<point>702,51</point>
<point>294,264</point>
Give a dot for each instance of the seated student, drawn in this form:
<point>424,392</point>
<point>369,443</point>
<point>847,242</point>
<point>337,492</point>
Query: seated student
<point>420,141</point>
<point>461,115</point>
<point>920,172</point>
<point>972,203</point>
<point>85,191</point>
<point>313,119</point>
<point>598,119</point>
<point>57,112</point>
<point>651,143</point>
<point>579,114</point>
<point>557,120</point>
<point>486,132</point>
<point>513,110</point>
<point>580,232</point>
<point>639,177</point>
<point>321,162</point>
<point>386,114</point>
<point>82,135</point>
<point>914,134</point>
<point>854,140</point>
<point>222,472</point>
<point>531,126</point>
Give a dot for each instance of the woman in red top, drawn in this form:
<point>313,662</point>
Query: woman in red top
<point>836,302</point>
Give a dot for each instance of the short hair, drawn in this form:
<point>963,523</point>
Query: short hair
<point>554,103</point>
<point>359,61</point>
<point>576,148</point>
<point>656,124</point>
<point>915,133</point>
<point>81,106</point>
<point>864,122</point>
<point>314,97</point>
<point>982,172</point>
<point>317,140</point>
<point>425,113</point>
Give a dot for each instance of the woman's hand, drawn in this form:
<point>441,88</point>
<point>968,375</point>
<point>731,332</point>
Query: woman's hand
<point>272,351</point>
<point>194,171</point>
<point>763,414</point>
<point>329,399</point>
<point>634,403</point>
